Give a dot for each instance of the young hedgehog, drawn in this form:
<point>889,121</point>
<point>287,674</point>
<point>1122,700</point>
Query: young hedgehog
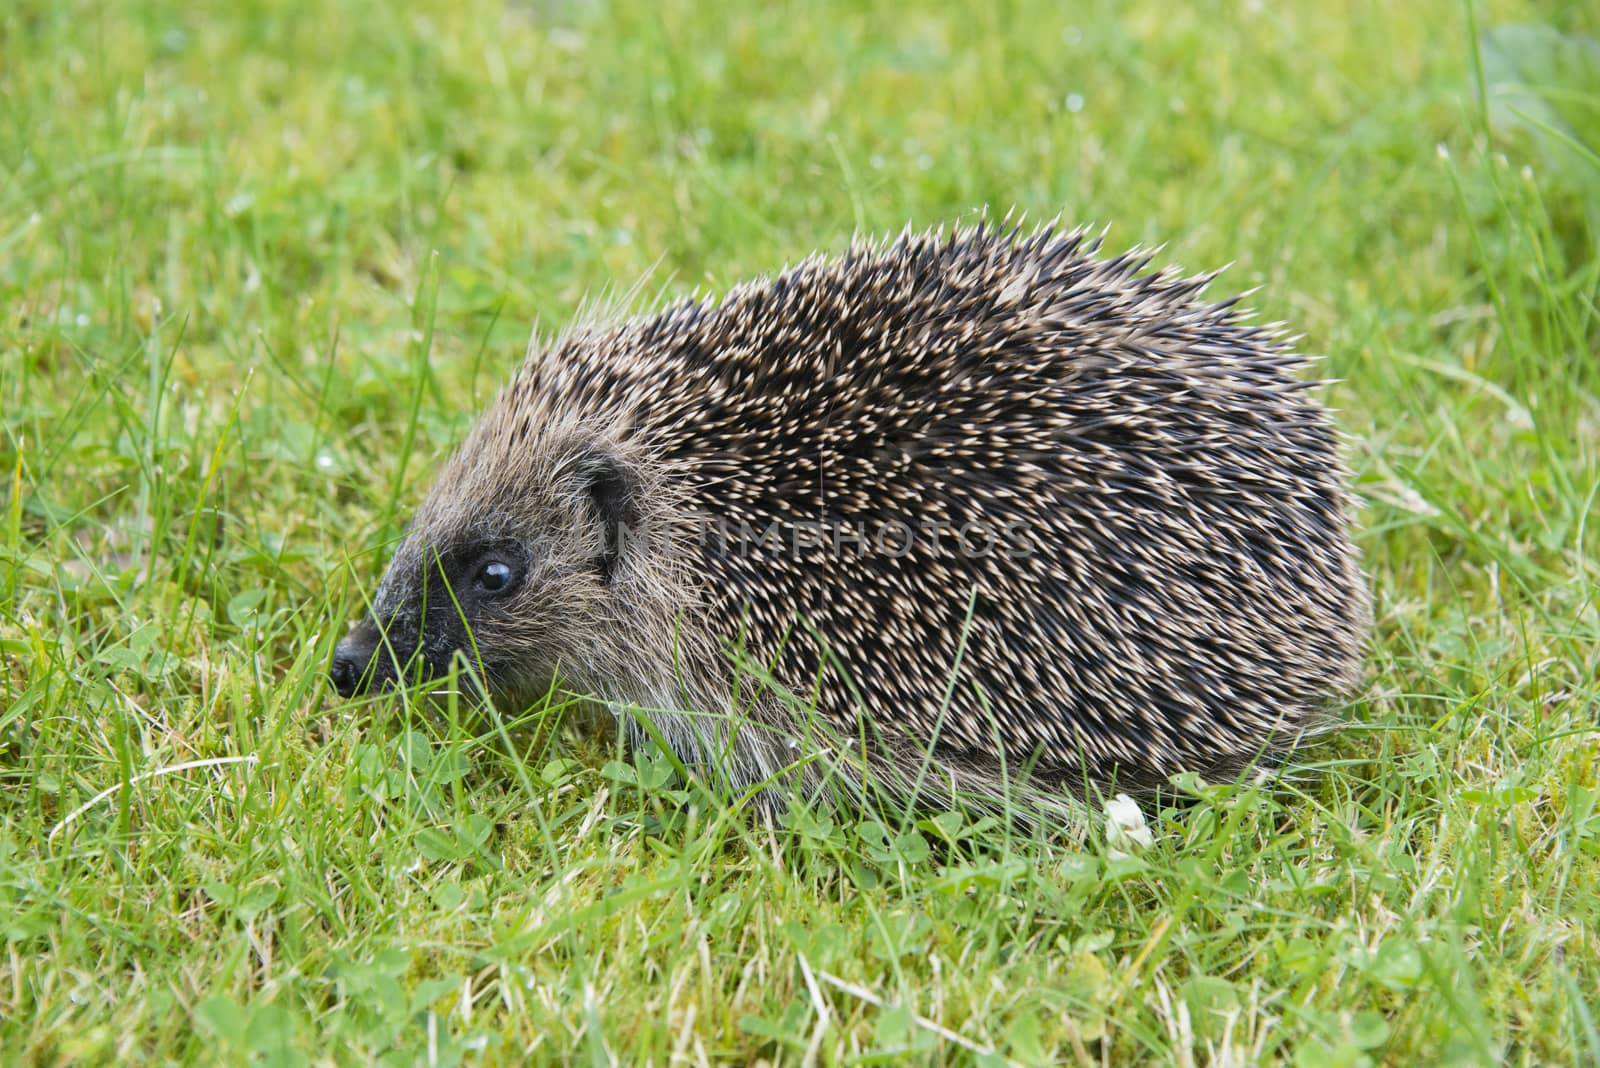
<point>949,512</point>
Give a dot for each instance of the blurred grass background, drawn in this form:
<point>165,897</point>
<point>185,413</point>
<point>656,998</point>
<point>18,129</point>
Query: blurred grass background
<point>260,263</point>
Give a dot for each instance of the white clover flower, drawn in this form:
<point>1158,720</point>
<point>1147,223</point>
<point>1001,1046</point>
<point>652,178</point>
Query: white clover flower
<point>1126,832</point>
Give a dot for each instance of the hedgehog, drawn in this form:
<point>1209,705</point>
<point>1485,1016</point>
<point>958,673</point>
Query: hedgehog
<point>944,515</point>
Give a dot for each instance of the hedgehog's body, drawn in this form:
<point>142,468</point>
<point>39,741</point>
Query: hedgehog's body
<point>989,498</point>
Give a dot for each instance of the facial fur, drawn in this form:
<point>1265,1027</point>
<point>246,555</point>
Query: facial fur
<point>542,578</point>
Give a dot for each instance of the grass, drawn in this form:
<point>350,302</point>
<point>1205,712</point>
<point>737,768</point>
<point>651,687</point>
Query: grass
<point>260,263</point>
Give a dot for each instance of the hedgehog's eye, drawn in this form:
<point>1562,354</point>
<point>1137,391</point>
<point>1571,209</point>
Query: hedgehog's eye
<point>495,576</point>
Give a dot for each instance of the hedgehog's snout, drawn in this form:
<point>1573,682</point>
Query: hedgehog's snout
<point>354,659</point>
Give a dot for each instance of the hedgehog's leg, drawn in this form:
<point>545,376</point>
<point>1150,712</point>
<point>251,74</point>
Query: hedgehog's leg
<point>735,754</point>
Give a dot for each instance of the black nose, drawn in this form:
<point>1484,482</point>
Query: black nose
<point>349,668</point>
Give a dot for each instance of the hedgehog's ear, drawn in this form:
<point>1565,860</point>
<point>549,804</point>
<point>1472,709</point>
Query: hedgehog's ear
<point>611,487</point>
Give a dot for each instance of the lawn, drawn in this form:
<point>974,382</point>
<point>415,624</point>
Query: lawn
<point>260,264</point>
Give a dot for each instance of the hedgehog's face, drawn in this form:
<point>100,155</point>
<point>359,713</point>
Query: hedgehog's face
<point>515,585</point>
